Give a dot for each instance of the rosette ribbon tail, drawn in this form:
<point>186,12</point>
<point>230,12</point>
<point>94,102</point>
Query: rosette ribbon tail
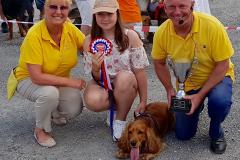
<point>105,81</point>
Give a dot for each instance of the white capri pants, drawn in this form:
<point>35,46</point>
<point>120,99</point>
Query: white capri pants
<point>51,102</point>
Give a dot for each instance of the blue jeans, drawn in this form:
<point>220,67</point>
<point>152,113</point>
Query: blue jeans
<point>219,104</point>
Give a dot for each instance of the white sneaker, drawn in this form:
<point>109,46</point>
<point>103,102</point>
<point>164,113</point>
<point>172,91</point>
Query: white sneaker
<point>118,127</point>
<point>108,118</point>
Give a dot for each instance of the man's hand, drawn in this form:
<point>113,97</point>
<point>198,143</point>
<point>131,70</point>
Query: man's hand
<point>170,93</point>
<point>196,100</point>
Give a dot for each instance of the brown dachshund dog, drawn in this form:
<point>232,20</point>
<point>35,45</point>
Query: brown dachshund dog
<point>143,138</point>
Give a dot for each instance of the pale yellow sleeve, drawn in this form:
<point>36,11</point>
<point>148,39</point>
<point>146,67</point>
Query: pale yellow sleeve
<point>31,50</point>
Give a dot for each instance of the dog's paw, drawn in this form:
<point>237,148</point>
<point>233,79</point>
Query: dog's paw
<point>122,155</point>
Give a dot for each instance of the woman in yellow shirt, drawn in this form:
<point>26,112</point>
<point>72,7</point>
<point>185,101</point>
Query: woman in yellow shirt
<point>48,53</point>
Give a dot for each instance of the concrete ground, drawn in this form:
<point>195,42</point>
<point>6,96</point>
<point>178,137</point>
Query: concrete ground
<point>86,137</point>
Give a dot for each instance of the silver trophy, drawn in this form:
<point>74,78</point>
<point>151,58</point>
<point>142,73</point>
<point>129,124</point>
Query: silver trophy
<point>182,70</point>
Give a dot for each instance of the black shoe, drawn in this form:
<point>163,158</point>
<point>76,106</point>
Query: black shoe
<point>218,146</point>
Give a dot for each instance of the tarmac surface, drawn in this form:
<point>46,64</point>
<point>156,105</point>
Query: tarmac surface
<point>86,137</point>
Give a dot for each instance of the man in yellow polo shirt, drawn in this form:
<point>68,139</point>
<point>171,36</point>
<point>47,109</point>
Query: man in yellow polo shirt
<point>194,35</point>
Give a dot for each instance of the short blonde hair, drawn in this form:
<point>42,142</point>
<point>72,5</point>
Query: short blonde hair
<point>69,2</point>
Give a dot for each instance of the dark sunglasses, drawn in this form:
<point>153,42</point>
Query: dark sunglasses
<point>55,7</point>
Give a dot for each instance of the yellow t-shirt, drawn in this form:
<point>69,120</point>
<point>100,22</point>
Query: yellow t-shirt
<point>39,48</point>
<point>208,41</point>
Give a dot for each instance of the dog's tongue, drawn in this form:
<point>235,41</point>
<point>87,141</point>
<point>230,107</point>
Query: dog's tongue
<point>134,154</point>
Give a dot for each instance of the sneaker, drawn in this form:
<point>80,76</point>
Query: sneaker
<point>118,127</point>
<point>108,118</point>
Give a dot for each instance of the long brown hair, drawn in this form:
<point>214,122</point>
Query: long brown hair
<point>120,38</point>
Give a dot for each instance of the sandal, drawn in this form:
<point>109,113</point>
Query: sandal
<point>50,142</point>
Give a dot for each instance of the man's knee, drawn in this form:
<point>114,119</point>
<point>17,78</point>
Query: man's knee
<point>219,107</point>
<point>220,98</point>
<point>186,126</point>
<point>182,133</point>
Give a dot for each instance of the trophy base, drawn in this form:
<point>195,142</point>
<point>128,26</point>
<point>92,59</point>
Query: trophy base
<point>180,105</point>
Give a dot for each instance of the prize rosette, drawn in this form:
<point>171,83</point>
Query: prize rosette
<point>101,45</point>
<point>104,46</point>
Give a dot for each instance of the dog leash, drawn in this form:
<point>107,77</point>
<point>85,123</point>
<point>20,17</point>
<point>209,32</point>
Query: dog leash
<point>153,121</point>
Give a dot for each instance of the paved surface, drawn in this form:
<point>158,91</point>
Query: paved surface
<point>87,137</point>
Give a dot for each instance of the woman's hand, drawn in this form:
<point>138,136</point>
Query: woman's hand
<point>78,83</point>
<point>97,60</point>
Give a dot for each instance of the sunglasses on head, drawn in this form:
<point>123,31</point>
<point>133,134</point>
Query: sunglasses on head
<point>55,7</point>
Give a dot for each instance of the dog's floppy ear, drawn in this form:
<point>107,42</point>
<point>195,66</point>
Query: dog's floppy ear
<point>123,142</point>
<point>153,142</point>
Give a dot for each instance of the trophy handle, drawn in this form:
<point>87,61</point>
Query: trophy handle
<point>171,64</point>
<point>195,61</point>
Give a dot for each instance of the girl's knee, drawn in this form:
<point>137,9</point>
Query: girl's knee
<point>125,81</point>
<point>96,101</point>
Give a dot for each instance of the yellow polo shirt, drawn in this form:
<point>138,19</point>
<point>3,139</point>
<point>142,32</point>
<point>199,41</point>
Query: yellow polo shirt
<point>208,41</point>
<point>39,48</point>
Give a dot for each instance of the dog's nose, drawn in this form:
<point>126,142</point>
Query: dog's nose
<point>133,143</point>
